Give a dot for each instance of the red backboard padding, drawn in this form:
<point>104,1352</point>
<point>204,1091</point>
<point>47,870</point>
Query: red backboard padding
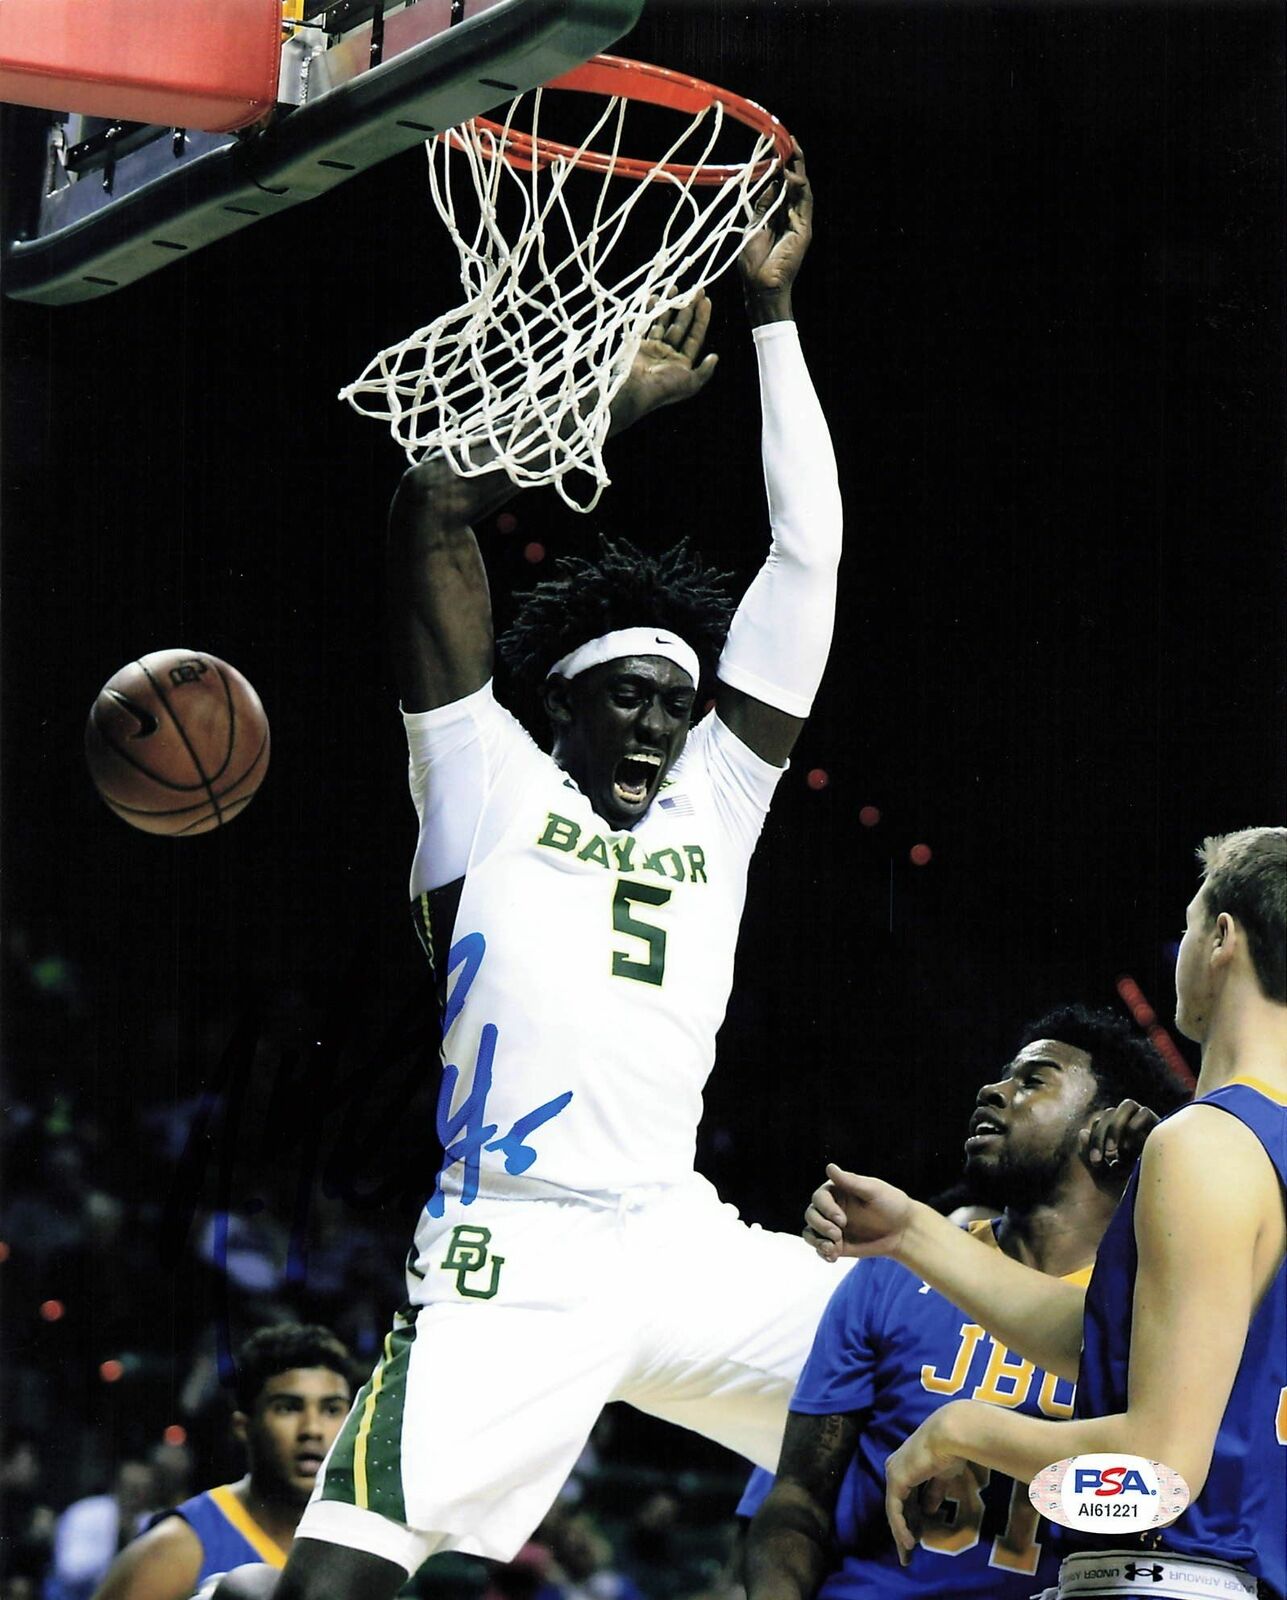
<point>202,64</point>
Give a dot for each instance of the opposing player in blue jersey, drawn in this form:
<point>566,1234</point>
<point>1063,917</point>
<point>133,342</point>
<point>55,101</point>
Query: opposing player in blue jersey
<point>1185,1324</point>
<point>1050,1142</point>
<point>293,1393</point>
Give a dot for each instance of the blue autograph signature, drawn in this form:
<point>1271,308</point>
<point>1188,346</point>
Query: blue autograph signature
<point>467,1134</point>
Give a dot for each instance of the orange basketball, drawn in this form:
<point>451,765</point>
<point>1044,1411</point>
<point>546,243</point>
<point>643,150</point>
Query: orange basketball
<point>177,742</point>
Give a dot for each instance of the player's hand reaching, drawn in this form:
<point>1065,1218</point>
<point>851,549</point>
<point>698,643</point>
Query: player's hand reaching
<point>855,1216</point>
<point>1112,1143</point>
<point>772,254</point>
<point>668,364</point>
<point>920,1475</point>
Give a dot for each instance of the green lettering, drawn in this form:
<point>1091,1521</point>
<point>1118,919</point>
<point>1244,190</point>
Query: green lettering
<point>466,1254</point>
<point>696,862</point>
<point>561,833</point>
<point>467,1250</point>
<point>596,850</point>
<point>624,850</point>
<point>655,863</point>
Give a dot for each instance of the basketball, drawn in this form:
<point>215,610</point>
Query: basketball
<point>177,742</point>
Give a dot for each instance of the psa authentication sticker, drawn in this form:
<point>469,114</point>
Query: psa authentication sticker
<point>1109,1494</point>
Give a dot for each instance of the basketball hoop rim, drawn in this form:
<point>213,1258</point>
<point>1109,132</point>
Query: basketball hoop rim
<point>659,86</point>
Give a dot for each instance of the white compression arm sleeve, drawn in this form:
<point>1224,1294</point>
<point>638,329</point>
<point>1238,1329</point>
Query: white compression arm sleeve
<point>778,642</point>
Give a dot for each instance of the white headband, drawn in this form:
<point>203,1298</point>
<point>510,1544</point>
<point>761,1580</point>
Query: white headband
<point>629,642</point>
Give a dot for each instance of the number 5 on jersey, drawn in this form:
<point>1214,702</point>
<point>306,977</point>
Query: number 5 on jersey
<point>624,965</point>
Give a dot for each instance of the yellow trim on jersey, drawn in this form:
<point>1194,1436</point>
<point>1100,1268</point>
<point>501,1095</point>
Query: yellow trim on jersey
<point>1278,1096</point>
<point>982,1229</point>
<point>267,1549</point>
<point>364,1428</point>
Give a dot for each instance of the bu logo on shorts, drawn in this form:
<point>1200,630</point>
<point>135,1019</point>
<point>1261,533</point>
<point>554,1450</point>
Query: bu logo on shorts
<point>467,1253</point>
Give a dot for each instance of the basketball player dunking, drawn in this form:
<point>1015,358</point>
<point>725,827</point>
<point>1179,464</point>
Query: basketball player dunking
<point>1179,1347</point>
<point>586,969</point>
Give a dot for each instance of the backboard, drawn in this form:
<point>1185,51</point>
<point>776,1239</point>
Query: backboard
<point>96,202</point>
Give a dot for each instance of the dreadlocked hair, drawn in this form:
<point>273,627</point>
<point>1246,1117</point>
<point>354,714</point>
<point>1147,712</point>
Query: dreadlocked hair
<point>624,588</point>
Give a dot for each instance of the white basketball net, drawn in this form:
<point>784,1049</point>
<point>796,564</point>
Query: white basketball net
<point>522,375</point>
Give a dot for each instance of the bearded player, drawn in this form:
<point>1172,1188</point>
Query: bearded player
<point>586,965</point>
<point>1052,1141</point>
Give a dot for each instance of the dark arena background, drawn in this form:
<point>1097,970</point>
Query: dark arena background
<point>1043,310</point>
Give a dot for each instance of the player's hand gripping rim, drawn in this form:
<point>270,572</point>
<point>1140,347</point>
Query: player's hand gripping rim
<point>852,1215</point>
<point>773,252</point>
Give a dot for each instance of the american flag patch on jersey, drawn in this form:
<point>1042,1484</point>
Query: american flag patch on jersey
<point>680,804</point>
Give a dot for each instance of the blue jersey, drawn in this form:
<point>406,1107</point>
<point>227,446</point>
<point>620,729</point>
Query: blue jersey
<point>229,1535</point>
<point>894,1350</point>
<point>1241,1514</point>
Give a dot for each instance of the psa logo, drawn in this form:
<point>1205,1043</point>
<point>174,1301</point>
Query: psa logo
<point>1109,1494</point>
<point>1110,1481</point>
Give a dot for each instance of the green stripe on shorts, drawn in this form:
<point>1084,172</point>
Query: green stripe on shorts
<point>365,1468</point>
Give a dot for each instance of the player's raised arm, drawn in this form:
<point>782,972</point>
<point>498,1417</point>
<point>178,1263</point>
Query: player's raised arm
<point>779,639</point>
<point>790,1546</point>
<point>439,598</point>
<point>1034,1314</point>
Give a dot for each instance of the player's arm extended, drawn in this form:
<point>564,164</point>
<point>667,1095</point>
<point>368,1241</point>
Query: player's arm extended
<point>439,600</point>
<point>1209,1237</point>
<point>777,645</point>
<point>161,1564</point>
<point>1035,1315</point>
<point>790,1546</point>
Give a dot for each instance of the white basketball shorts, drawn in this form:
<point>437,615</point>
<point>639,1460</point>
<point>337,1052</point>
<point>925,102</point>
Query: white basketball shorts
<point>527,1315</point>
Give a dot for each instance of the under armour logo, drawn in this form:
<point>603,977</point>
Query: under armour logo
<point>467,1253</point>
<point>1153,1573</point>
<point>188,671</point>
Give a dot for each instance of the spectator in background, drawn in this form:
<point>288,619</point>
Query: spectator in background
<point>91,1532</point>
<point>52,1217</point>
<point>28,1519</point>
<point>654,1552</point>
<point>586,1563</point>
<point>171,1473</point>
<point>533,1573</point>
<point>293,1392</point>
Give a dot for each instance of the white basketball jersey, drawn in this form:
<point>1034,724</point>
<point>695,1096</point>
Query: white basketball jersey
<point>589,968</point>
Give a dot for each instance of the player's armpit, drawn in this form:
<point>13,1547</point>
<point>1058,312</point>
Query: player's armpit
<point>790,1545</point>
<point>161,1564</point>
<point>1210,1235</point>
<point>763,728</point>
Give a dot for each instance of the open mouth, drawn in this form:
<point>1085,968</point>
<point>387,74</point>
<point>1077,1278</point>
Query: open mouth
<point>307,1466</point>
<point>634,776</point>
<point>983,1132</point>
